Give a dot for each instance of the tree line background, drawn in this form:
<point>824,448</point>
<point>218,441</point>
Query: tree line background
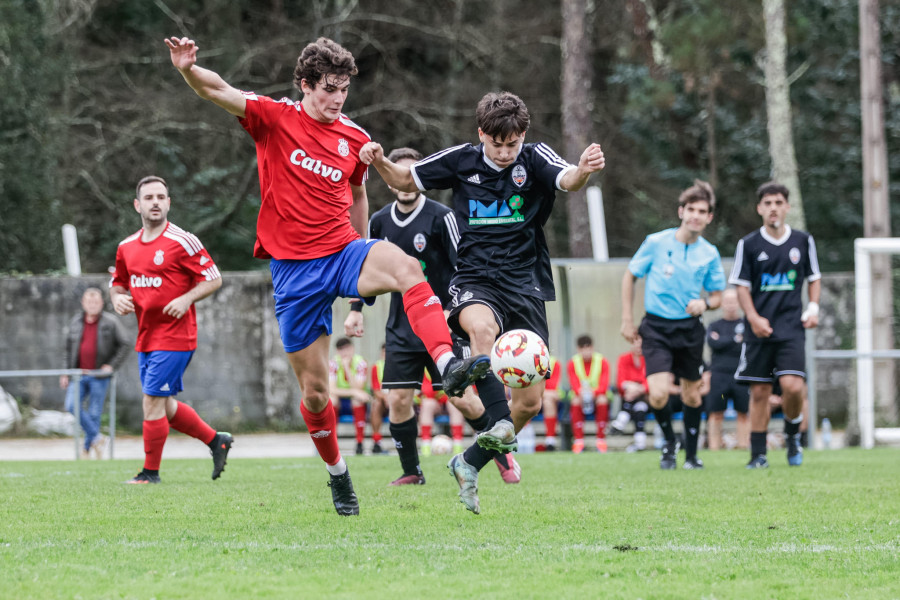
<point>90,103</point>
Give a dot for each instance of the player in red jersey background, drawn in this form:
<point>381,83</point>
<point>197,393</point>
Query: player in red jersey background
<point>161,271</point>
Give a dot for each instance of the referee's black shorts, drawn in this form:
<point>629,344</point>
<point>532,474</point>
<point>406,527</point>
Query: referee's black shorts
<point>673,346</point>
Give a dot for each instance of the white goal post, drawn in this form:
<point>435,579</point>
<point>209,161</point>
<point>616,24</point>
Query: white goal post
<point>865,372</point>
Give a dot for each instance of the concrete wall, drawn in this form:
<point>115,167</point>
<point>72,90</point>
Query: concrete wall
<point>240,377</point>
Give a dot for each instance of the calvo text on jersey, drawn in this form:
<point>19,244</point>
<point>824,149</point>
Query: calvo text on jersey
<point>142,281</point>
<point>299,157</point>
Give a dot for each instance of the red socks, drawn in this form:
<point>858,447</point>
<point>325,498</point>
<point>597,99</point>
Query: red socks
<point>577,420</point>
<point>359,420</point>
<point>188,422</point>
<point>602,417</point>
<point>550,424</point>
<point>426,316</point>
<point>426,433</point>
<point>323,430</point>
<point>154,433</point>
<point>456,432</point>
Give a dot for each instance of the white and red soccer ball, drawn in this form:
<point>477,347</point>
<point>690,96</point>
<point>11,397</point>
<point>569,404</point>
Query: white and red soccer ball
<point>519,358</point>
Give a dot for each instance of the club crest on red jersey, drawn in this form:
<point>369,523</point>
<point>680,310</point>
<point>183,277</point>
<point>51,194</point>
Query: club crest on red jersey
<point>343,147</point>
<point>158,258</point>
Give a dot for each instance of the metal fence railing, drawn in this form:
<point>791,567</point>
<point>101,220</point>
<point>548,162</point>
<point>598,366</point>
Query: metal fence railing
<point>76,375</point>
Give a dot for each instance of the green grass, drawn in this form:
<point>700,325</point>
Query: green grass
<point>589,526</point>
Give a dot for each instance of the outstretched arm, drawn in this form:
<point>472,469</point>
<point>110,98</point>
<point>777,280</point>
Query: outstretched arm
<point>591,161</point>
<point>396,176</point>
<point>627,328</point>
<point>208,84</point>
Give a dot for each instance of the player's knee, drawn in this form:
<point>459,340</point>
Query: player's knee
<point>407,271</point>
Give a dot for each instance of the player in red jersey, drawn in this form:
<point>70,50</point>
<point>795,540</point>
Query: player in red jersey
<point>161,271</point>
<point>313,213</point>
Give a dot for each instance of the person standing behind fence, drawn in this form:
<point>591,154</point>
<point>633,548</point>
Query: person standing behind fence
<point>678,264</point>
<point>95,341</point>
<point>161,271</point>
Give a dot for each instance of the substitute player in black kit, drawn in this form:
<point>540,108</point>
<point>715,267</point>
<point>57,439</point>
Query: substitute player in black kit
<point>769,268</point>
<point>503,192</point>
<point>427,231</point>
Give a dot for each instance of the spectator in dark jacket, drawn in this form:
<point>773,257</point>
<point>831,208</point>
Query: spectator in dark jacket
<point>97,343</point>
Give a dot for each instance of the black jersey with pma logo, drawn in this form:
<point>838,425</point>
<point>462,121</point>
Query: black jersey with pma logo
<point>774,270</point>
<point>429,234</point>
<point>501,214</point>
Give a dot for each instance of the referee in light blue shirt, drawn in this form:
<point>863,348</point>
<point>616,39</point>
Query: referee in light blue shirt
<point>677,262</point>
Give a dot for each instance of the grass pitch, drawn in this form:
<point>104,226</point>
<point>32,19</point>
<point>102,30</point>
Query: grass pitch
<point>588,526</point>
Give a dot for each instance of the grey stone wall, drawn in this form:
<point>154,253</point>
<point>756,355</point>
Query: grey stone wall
<point>240,378</point>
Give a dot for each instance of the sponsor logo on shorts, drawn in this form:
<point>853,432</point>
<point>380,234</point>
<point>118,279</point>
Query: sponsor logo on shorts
<point>142,281</point>
<point>299,157</point>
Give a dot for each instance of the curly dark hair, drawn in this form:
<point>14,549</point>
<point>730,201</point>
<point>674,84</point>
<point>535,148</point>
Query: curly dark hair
<point>774,188</point>
<point>320,58</point>
<point>501,115</point>
<point>701,191</point>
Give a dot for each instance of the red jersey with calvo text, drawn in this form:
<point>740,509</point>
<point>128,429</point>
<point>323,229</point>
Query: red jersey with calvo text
<point>156,273</point>
<point>305,168</point>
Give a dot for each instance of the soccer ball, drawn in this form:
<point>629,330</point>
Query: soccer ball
<point>441,444</point>
<point>519,358</point>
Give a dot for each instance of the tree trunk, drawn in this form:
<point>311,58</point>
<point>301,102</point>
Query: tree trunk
<point>576,115</point>
<point>778,107</point>
<point>876,203</point>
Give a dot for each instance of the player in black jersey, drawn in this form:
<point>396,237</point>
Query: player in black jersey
<point>503,192</point>
<point>426,230</point>
<point>725,339</point>
<point>770,266</point>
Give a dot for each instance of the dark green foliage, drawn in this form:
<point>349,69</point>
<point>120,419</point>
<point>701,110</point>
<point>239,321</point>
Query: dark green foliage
<point>91,103</point>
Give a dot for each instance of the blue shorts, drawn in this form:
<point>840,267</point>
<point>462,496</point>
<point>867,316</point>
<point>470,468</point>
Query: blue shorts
<point>161,371</point>
<point>306,289</point>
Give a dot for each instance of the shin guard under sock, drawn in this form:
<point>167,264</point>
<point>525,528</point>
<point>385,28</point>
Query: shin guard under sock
<point>426,317</point>
<point>577,413</point>
<point>664,418</point>
<point>404,435</point>
<point>187,421</point>
<point>758,443</point>
<point>154,434</point>
<point>692,417</point>
<point>322,428</point>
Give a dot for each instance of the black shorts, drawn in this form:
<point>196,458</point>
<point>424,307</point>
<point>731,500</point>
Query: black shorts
<point>511,311</point>
<point>722,388</point>
<point>673,346</point>
<point>405,370</point>
<point>764,361</point>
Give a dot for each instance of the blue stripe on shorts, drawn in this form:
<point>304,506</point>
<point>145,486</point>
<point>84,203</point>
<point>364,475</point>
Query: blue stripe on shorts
<point>306,289</point>
<point>162,371</point>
